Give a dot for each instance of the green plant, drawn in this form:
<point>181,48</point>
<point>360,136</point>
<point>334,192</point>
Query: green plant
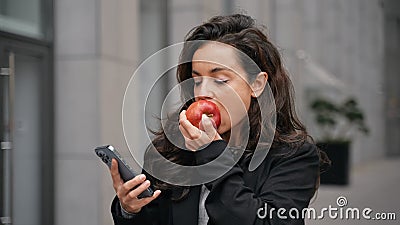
<point>338,122</point>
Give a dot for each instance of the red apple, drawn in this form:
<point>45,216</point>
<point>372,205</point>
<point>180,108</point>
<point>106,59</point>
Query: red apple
<point>197,109</point>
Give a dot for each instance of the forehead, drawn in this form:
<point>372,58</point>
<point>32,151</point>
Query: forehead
<point>217,54</point>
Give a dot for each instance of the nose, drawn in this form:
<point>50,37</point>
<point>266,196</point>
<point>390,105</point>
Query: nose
<point>203,91</point>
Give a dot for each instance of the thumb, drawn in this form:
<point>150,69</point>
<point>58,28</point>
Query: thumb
<point>208,126</point>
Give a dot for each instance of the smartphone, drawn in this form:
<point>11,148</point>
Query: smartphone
<point>108,152</point>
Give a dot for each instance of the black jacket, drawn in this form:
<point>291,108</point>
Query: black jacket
<point>285,179</point>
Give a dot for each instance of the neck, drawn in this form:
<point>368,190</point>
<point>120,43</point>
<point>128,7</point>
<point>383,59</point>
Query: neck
<point>235,138</point>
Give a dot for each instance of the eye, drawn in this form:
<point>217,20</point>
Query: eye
<point>221,81</point>
<point>197,81</point>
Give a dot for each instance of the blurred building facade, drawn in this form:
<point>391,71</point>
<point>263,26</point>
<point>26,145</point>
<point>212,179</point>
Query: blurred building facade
<point>74,58</point>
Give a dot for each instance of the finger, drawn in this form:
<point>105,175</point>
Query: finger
<point>182,115</point>
<point>145,201</point>
<point>208,126</point>
<point>184,132</point>
<point>183,119</point>
<point>191,131</point>
<point>141,188</point>
<point>116,178</point>
<point>125,188</point>
<point>191,146</point>
<point>185,122</point>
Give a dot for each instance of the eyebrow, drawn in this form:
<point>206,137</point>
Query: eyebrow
<point>213,70</point>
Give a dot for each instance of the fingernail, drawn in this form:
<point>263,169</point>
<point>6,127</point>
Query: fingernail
<point>142,177</point>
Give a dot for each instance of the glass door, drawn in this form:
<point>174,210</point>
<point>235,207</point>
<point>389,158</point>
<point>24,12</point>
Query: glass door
<point>26,134</point>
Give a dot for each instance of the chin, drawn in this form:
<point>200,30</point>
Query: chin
<point>223,129</point>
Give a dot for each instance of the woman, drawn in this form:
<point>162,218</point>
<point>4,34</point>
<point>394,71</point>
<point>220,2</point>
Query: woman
<point>286,178</point>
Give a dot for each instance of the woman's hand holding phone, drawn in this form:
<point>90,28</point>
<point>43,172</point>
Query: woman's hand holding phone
<point>127,193</point>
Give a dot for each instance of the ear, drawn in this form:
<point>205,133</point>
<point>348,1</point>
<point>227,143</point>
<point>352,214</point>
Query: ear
<point>259,84</point>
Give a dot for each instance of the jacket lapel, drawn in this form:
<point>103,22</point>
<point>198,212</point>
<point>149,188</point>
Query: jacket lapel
<point>186,212</point>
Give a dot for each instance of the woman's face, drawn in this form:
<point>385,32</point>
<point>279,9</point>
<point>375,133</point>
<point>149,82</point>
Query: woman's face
<point>220,78</point>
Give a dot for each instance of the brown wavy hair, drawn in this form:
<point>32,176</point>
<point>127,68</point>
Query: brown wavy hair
<point>240,32</point>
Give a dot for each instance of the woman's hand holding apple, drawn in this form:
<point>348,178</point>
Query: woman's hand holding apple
<point>203,130</point>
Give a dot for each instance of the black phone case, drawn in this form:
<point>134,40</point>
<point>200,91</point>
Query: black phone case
<point>108,152</point>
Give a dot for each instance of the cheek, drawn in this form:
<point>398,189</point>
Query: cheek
<point>233,112</point>
<point>225,122</point>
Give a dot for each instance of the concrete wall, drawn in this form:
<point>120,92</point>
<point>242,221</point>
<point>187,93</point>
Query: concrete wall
<point>392,78</point>
<point>345,40</point>
<point>96,46</point>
